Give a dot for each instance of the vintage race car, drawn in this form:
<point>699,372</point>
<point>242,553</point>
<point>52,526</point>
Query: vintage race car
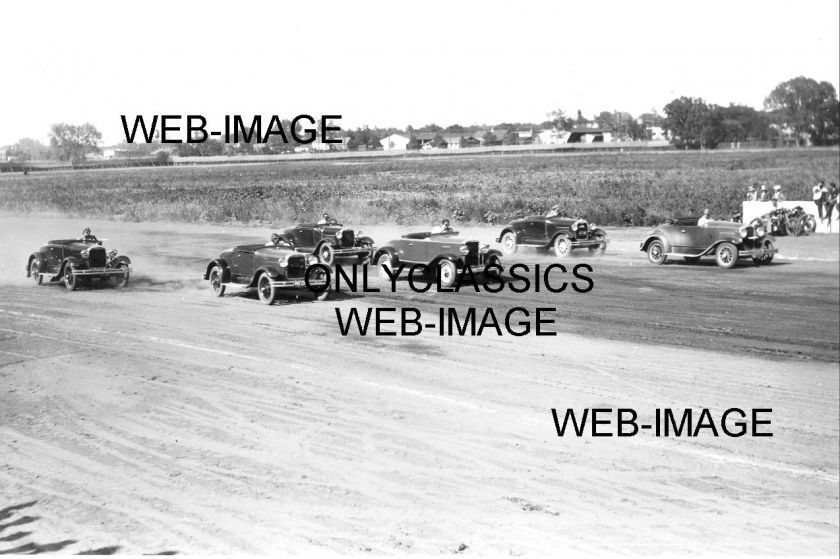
<point>446,253</point>
<point>330,241</point>
<point>725,240</point>
<point>77,261</point>
<point>564,234</point>
<point>269,267</point>
<point>783,221</point>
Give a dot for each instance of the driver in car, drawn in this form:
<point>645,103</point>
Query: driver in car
<point>325,219</point>
<point>87,236</point>
<point>554,211</point>
<point>704,219</point>
<point>443,227</point>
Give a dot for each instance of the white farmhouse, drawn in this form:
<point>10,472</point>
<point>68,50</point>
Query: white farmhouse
<point>394,141</point>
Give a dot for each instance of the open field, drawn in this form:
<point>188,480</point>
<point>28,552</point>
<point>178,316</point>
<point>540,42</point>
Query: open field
<point>613,189</point>
<point>158,419</point>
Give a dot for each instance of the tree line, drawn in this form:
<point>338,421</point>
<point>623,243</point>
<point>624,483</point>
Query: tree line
<point>800,110</point>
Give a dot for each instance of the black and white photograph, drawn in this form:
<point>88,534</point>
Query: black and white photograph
<point>538,278</point>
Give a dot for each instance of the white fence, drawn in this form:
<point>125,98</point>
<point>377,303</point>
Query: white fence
<point>752,210</point>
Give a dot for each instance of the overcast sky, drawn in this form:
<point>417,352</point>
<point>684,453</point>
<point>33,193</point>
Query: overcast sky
<point>398,63</point>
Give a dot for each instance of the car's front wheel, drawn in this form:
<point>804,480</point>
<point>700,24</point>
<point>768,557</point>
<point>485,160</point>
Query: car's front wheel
<point>34,271</point>
<point>656,252</point>
<point>266,291</point>
<point>216,285</point>
<point>448,273</point>
<point>599,249</point>
<point>71,280</point>
<point>726,255</point>
<point>795,227</point>
<point>493,267</point>
<point>121,281</point>
<point>562,247</point>
<point>765,258</point>
<point>326,254</point>
<point>509,243</point>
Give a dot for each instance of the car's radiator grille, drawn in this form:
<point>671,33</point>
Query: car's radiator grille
<point>97,258</point>
<point>471,258</point>
<point>348,239</point>
<point>582,231</point>
<point>296,267</point>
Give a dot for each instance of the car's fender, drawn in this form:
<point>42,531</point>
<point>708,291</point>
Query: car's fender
<point>599,231</point>
<point>34,256</point>
<point>492,252</point>
<point>223,266</point>
<point>364,240</point>
<point>271,271</point>
<point>121,259</point>
<point>510,229</point>
<point>662,238</point>
<point>446,256</point>
<point>69,260</point>
<point>395,259</point>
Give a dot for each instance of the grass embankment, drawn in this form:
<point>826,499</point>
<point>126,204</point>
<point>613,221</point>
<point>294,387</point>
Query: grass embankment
<point>610,189</point>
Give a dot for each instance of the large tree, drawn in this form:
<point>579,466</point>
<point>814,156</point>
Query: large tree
<point>808,107</point>
<point>693,123</point>
<point>73,142</point>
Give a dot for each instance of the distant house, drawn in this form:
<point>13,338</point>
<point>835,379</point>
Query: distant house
<point>394,141</point>
<point>551,136</point>
<point>587,135</point>
<point>525,136</point>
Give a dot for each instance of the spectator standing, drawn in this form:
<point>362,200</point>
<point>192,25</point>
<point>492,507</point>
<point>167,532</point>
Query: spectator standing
<point>777,196</point>
<point>751,194</point>
<point>818,198</point>
<point>762,194</point>
<point>832,203</point>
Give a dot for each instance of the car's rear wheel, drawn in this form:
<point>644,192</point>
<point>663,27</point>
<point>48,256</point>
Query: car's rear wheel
<point>795,227</point>
<point>266,291</point>
<point>809,224</point>
<point>509,243</point>
<point>599,249</point>
<point>216,285</point>
<point>121,281</point>
<point>71,280</point>
<point>34,271</point>
<point>656,252</point>
<point>326,254</point>
<point>726,255</point>
<point>447,273</point>
<point>562,247</point>
<point>765,258</point>
<point>385,260</point>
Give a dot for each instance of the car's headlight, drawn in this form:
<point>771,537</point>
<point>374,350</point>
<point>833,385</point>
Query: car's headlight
<point>112,253</point>
<point>592,226</point>
<point>85,253</point>
<point>744,232</point>
<point>284,262</point>
<point>312,260</point>
<point>485,248</point>
<point>465,250</point>
<point>760,231</point>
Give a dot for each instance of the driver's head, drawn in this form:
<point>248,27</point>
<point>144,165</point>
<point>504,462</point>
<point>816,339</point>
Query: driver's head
<point>86,231</point>
<point>325,215</point>
<point>706,212</point>
<point>445,222</point>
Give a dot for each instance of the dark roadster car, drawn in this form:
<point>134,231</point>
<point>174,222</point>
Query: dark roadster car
<point>446,252</point>
<point>725,240</point>
<point>267,266</point>
<point>564,234</point>
<point>77,261</point>
<point>330,241</point>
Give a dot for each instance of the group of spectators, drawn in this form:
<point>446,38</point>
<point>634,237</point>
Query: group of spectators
<point>825,197</point>
<point>761,194</point>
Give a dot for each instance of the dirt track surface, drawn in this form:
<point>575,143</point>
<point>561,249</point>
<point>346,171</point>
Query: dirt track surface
<point>159,419</point>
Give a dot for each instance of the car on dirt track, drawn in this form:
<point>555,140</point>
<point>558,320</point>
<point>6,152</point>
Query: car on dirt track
<point>329,241</point>
<point>446,253</point>
<point>726,241</point>
<point>782,221</point>
<point>75,262</point>
<point>563,234</point>
<point>269,267</point>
